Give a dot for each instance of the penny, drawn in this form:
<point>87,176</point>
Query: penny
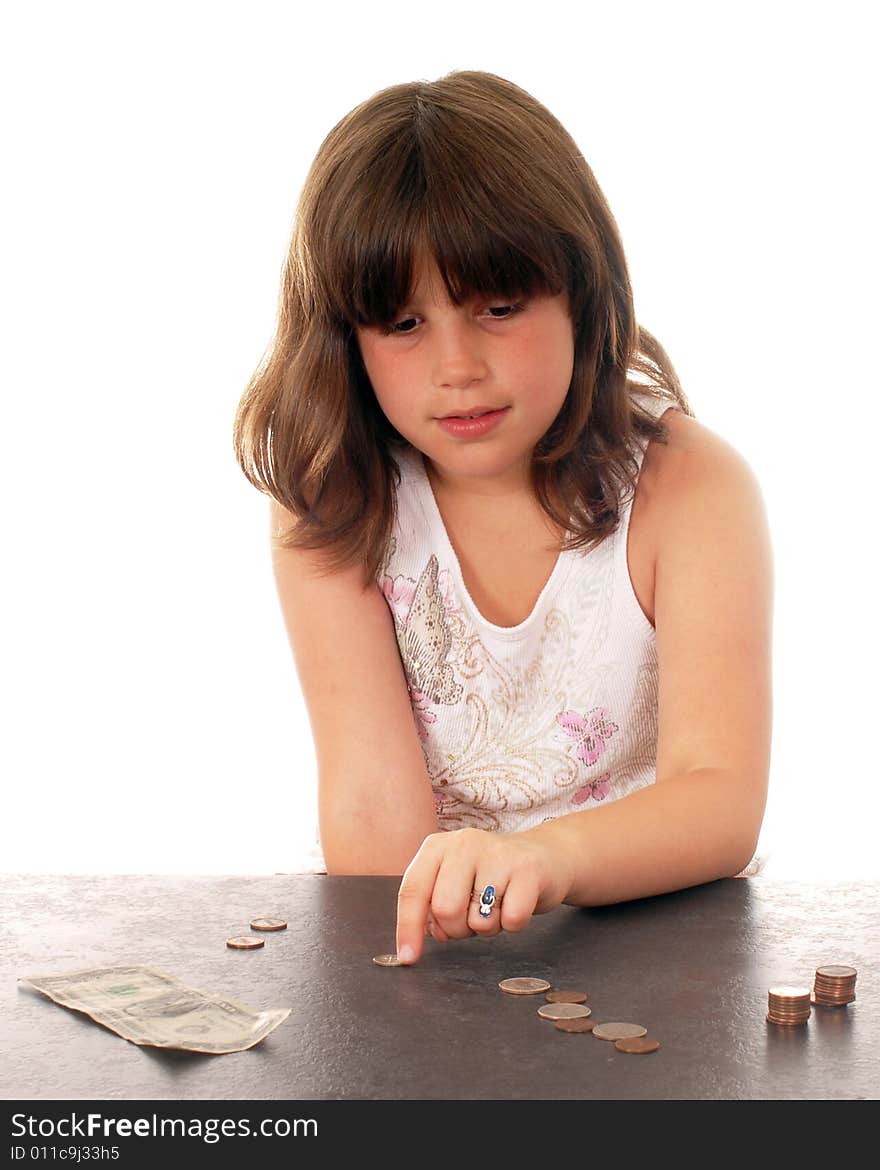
<point>578,1024</point>
<point>388,961</point>
<point>524,986</point>
<point>837,972</point>
<point>565,997</point>
<point>788,991</point>
<point>616,1031</point>
<point>788,1004</point>
<point>245,942</point>
<point>637,1044</point>
<point>793,1022</point>
<point>268,924</point>
<point>564,1011</point>
<point>830,1002</point>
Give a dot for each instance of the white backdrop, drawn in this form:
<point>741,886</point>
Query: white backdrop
<point>153,155</point>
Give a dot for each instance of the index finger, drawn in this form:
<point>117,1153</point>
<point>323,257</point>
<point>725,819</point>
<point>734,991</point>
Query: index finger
<point>414,902</point>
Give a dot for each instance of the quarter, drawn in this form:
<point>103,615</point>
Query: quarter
<point>564,1011</point>
<point>617,1031</point>
<point>522,985</point>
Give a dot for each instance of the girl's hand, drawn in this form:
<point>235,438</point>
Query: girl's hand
<point>441,888</point>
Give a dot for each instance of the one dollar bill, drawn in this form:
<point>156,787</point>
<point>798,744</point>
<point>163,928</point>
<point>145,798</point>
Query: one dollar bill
<point>148,1007</point>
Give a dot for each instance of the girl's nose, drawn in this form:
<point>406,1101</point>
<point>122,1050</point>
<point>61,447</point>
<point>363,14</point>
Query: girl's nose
<point>458,356</point>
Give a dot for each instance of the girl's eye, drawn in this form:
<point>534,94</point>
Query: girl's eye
<point>508,310</point>
<point>398,327</point>
<point>498,313</point>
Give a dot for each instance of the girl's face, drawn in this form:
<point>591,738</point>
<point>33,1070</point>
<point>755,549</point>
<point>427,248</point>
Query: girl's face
<point>510,363</point>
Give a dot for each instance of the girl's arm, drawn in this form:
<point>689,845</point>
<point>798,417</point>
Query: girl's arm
<point>701,819</point>
<point>713,603</point>
<point>375,804</point>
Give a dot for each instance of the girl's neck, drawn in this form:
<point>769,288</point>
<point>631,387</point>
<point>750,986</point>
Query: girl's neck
<point>490,504</point>
<point>513,487</point>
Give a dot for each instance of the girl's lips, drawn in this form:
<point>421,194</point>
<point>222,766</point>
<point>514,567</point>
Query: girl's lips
<point>473,428</point>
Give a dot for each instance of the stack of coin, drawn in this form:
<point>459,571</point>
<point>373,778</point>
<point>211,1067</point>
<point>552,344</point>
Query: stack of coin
<point>834,986</point>
<point>788,1005</point>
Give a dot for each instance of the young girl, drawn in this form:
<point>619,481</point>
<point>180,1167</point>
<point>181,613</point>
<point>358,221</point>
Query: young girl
<point>528,595</point>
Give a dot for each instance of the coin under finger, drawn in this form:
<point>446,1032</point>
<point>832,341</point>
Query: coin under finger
<point>268,924</point>
<point>388,961</point>
<point>564,1011</point>
<point>522,985</point>
<point>575,1024</point>
<point>617,1031</point>
<point>637,1044</point>
<point>245,942</point>
<point>566,997</point>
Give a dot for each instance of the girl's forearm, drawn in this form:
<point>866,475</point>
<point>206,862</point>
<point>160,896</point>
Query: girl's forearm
<point>686,830</point>
<point>379,834</point>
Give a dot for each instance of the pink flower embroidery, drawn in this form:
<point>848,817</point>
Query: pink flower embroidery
<point>595,790</point>
<point>399,593</point>
<point>421,712</point>
<point>590,730</point>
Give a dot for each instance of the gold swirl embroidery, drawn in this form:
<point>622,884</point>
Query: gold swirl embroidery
<point>506,763</point>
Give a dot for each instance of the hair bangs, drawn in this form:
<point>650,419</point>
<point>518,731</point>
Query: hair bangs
<point>478,251</point>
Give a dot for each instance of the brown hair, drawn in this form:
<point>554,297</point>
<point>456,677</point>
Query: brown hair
<point>475,171</point>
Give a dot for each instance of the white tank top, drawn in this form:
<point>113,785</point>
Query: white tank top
<point>525,723</point>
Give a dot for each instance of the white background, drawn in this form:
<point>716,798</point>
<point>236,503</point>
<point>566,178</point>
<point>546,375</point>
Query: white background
<point>153,155</point>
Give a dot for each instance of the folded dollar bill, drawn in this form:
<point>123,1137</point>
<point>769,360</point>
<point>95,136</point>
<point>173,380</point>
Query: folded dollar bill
<point>148,1007</point>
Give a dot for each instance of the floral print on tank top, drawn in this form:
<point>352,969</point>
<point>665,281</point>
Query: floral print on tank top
<point>506,761</point>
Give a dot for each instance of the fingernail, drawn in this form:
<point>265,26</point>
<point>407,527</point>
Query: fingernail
<point>406,954</point>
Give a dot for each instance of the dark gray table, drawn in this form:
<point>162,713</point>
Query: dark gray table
<point>693,967</point>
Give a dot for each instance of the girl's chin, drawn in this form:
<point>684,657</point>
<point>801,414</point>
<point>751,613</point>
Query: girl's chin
<point>481,463</point>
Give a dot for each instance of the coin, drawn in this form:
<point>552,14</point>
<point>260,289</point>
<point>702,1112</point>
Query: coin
<point>566,997</point>
<point>245,942</point>
<point>836,972</point>
<point>830,1002</point>
<point>789,991</point>
<point>834,986</point>
<point>268,924</point>
<point>788,1004</point>
<point>637,1044</point>
<point>564,1011</point>
<point>387,961</point>
<point>578,1024</point>
<point>619,1031</point>
<point>524,986</point>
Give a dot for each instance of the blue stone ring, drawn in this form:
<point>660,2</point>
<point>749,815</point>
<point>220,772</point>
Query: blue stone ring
<point>487,900</point>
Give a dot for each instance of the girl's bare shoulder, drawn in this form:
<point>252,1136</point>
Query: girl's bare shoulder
<point>695,463</point>
<point>694,491</point>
